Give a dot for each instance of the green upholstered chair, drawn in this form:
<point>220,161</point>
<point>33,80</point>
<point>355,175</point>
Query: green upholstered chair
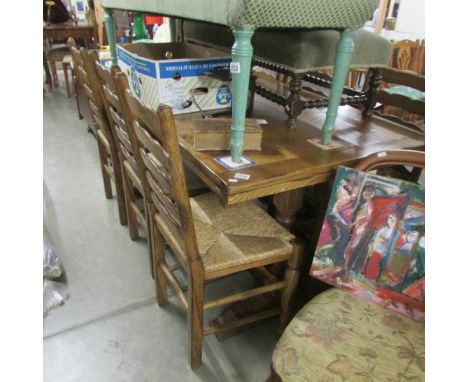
<point>398,95</point>
<point>342,336</point>
<point>246,16</point>
<point>297,53</point>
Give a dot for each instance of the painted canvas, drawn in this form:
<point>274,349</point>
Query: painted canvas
<point>373,239</point>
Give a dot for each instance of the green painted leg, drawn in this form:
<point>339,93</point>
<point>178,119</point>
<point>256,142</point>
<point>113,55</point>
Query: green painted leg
<point>173,29</point>
<point>344,53</point>
<point>110,30</point>
<point>240,68</point>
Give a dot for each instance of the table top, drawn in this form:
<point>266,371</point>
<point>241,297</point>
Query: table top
<point>331,14</point>
<point>288,160</point>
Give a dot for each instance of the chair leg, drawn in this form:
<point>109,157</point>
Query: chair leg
<point>105,176</point>
<point>157,251</point>
<point>119,191</point>
<point>75,92</point>
<point>196,293</point>
<point>54,74</point>
<point>129,194</point>
<point>65,67</point>
<point>291,278</point>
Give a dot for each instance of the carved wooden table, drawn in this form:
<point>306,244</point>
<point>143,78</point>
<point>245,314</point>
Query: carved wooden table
<point>288,162</point>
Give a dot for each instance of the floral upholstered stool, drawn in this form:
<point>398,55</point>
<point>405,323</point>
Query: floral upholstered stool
<point>338,336</point>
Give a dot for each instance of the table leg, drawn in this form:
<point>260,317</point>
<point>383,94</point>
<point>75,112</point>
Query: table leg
<point>344,53</point>
<point>287,206</point>
<point>110,30</point>
<point>242,52</point>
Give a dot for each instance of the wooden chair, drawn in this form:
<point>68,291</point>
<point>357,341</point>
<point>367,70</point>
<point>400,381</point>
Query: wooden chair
<point>404,54</point>
<point>114,83</point>
<point>340,336</point>
<point>108,155</point>
<point>420,59</point>
<point>126,145</point>
<point>208,241</point>
<point>402,98</point>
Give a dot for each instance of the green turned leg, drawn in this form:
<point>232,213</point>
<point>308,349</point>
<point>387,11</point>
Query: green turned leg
<point>344,53</point>
<point>110,30</point>
<point>240,68</point>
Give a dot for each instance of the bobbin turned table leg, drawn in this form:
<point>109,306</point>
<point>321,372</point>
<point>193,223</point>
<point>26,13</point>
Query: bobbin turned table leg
<point>287,206</point>
<point>344,53</point>
<point>110,30</point>
<point>242,52</point>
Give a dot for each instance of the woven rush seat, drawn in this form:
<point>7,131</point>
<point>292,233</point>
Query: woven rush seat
<point>338,336</point>
<point>233,237</point>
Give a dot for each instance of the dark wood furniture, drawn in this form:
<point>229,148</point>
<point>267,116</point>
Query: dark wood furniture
<point>403,90</point>
<point>60,54</point>
<point>208,240</point>
<point>288,162</point>
<point>108,155</point>
<point>63,32</point>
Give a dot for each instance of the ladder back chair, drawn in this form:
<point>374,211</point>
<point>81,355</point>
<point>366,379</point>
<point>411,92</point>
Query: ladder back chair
<point>110,164</point>
<point>125,144</point>
<point>403,98</point>
<point>208,240</point>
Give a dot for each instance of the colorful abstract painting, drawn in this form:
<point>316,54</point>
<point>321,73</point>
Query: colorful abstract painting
<point>373,239</point>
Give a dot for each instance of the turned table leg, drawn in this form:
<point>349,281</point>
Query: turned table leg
<point>344,53</point>
<point>110,30</point>
<point>242,52</point>
<point>295,104</point>
<point>287,206</point>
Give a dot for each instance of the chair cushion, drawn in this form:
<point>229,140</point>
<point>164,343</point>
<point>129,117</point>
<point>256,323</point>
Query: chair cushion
<point>406,91</point>
<point>338,336</point>
<point>260,13</point>
<point>298,50</point>
<point>229,237</point>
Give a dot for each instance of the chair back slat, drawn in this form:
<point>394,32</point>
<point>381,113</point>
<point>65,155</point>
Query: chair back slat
<point>403,77</point>
<point>162,176</point>
<point>152,144</point>
<point>162,202</point>
<point>159,152</point>
<point>111,97</point>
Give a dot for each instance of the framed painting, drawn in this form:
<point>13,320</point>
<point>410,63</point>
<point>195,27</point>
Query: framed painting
<point>372,240</point>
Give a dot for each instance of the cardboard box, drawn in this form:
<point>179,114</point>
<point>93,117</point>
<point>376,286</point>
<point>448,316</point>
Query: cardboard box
<point>215,134</point>
<point>167,72</point>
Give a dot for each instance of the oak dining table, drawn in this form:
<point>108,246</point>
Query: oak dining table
<point>291,159</point>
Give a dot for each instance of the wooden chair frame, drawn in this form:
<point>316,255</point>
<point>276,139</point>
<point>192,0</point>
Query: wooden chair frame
<point>380,76</point>
<point>118,115</point>
<point>109,158</point>
<point>168,204</point>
